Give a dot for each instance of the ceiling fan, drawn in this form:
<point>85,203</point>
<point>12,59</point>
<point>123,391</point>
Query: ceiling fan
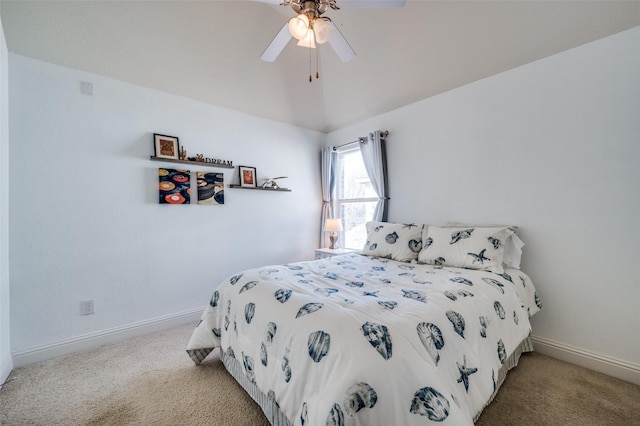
<point>310,27</point>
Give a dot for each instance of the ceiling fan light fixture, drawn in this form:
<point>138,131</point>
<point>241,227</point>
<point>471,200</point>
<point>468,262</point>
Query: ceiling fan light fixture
<point>299,26</point>
<point>309,40</point>
<point>323,30</point>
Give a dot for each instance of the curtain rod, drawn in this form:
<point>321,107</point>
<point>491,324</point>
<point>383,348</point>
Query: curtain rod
<point>383,135</point>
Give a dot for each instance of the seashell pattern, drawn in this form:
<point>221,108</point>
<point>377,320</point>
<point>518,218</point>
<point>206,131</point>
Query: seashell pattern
<point>461,280</point>
<point>226,317</point>
<point>389,305</point>
<point>379,337</point>
<point>415,295</point>
<point>248,286</point>
<point>263,354</point>
<point>214,299</point>
<point>304,417</point>
<point>268,271</point>
<point>496,243</point>
<point>331,275</point>
<point>415,246</point>
<point>391,238</point>
<point>431,338</point>
<point>507,277</point>
<point>326,291</point>
<point>430,403</point>
<point>216,332</point>
<point>464,293</point>
<point>270,332</point>
<point>457,321</point>
<point>373,246</point>
<point>247,361</point>
<point>359,396</point>
<point>499,309</point>
<point>308,308</point>
<point>335,417</point>
<point>282,295</point>
<point>502,353</point>
<point>249,312</point>
<point>483,327</point>
<point>428,242</point>
<point>230,352</point>
<point>286,368</point>
<point>234,279</point>
<point>450,295</point>
<point>318,344</point>
<point>354,284</point>
<point>460,235</point>
<point>495,283</point>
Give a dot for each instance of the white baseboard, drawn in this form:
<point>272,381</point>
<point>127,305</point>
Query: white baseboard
<point>5,368</point>
<point>610,366</point>
<point>103,337</point>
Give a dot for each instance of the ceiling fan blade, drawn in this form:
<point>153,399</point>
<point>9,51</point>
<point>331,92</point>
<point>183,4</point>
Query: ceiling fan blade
<point>277,44</point>
<point>341,45</point>
<point>370,4</point>
<point>355,4</point>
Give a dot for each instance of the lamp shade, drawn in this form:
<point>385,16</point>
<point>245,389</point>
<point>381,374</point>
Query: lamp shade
<point>323,30</point>
<point>298,26</point>
<point>308,40</point>
<point>333,225</point>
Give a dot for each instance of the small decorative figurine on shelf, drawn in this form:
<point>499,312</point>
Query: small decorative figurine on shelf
<point>183,153</point>
<point>271,183</point>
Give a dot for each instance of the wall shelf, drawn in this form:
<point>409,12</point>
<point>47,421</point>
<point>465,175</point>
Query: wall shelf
<point>195,163</point>
<point>260,188</point>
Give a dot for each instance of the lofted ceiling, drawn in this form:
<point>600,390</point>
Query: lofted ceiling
<point>210,50</point>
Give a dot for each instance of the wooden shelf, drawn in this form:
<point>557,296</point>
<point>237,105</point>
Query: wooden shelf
<point>195,163</point>
<point>260,188</point>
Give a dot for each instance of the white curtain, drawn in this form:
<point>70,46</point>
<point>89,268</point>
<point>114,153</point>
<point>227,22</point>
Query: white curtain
<point>328,190</point>
<point>374,157</point>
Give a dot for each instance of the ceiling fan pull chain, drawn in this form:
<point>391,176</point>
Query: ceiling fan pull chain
<point>310,78</point>
<point>317,62</point>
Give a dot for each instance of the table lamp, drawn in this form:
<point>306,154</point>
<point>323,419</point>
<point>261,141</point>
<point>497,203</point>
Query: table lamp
<point>333,226</point>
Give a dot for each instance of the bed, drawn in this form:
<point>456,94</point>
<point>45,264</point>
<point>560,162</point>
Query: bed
<point>420,327</point>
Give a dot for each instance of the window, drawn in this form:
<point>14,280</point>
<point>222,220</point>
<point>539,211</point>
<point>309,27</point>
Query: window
<point>355,197</point>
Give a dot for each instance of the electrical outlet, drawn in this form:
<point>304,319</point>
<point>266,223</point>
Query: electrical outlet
<point>87,307</point>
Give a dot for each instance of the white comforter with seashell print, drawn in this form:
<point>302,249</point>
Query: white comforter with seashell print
<point>359,340</point>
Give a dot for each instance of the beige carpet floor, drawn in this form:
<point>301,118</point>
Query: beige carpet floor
<point>150,380</point>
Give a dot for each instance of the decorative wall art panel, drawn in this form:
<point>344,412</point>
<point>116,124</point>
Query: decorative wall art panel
<point>174,186</point>
<point>210,188</point>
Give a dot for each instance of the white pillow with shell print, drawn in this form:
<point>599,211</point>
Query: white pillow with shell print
<point>465,247</point>
<point>397,241</point>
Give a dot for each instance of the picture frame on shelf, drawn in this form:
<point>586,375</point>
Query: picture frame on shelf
<point>166,146</point>
<point>247,176</point>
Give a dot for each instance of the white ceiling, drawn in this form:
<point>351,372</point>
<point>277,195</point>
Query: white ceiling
<point>210,50</point>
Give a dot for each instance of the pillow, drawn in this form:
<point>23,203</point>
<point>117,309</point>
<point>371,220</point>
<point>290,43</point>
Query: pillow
<point>512,247</point>
<point>465,247</point>
<point>397,241</point>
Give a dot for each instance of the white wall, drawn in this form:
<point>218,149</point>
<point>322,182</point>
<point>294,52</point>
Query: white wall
<point>553,147</point>
<point>85,218</point>
<point>6,362</point>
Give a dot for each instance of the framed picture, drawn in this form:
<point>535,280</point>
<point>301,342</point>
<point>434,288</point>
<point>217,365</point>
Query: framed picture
<point>166,146</point>
<point>247,176</point>
<point>174,186</point>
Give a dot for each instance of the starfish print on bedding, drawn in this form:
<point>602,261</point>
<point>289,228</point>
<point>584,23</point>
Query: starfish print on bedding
<point>465,373</point>
<point>480,257</point>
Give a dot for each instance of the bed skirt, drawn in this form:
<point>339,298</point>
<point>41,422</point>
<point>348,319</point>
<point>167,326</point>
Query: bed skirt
<point>277,418</point>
